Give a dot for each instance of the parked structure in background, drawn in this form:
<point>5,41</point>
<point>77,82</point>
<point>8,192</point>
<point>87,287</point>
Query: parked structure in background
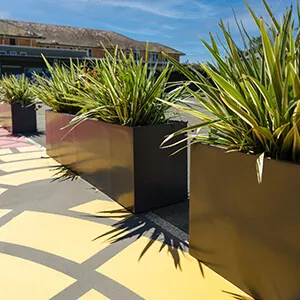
<point>22,43</point>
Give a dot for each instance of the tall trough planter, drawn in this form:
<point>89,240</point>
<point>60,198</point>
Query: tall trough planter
<point>245,231</point>
<point>17,118</point>
<point>125,163</point>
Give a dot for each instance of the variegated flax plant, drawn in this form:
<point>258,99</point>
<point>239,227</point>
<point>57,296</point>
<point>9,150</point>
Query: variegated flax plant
<point>116,89</point>
<point>250,101</point>
<point>57,91</point>
<point>16,90</point>
<point>125,91</point>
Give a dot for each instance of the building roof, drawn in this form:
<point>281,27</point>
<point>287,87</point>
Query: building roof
<point>74,36</point>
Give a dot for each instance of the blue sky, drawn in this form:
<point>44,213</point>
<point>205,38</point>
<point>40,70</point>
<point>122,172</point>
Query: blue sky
<point>176,23</point>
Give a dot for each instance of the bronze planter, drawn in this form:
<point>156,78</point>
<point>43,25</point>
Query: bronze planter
<point>245,231</point>
<point>125,163</point>
<point>17,118</point>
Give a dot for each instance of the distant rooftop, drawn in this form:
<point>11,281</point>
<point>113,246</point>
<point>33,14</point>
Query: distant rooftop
<point>74,36</point>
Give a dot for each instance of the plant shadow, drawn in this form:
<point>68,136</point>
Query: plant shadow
<point>29,134</point>
<point>254,295</point>
<point>136,226</point>
<point>64,173</point>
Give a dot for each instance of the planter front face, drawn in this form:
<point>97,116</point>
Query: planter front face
<point>123,162</point>
<point>104,157</point>
<point>60,142</point>
<point>248,233</point>
<point>17,118</point>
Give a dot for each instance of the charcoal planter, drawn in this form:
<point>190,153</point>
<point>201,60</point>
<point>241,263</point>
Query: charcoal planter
<point>17,118</point>
<point>126,163</point>
<point>245,231</point>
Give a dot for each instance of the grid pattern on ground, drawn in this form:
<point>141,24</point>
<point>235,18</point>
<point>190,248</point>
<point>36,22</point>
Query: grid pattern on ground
<point>62,239</point>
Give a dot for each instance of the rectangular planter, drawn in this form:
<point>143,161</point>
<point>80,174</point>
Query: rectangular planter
<point>17,118</point>
<point>125,163</point>
<point>245,231</point>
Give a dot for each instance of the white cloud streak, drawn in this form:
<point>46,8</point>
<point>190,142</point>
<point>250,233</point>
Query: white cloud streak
<point>4,15</point>
<point>175,9</point>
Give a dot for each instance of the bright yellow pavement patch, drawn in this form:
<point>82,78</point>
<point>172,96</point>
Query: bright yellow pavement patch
<point>22,156</point>
<point>4,212</point>
<point>103,208</point>
<point>155,276</point>
<point>28,164</point>
<point>23,279</point>
<point>5,151</point>
<point>93,295</point>
<point>19,178</point>
<point>28,149</point>
<point>67,237</point>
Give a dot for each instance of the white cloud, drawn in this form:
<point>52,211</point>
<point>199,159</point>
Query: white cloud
<point>176,9</point>
<point>167,27</point>
<point>4,15</point>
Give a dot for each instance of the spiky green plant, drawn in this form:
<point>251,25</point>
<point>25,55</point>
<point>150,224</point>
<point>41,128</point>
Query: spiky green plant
<point>253,102</point>
<point>124,91</point>
<point>57,91</point>
<point>16,90</point>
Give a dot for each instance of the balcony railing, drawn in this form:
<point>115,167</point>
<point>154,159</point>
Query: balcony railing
<point>23,51</point>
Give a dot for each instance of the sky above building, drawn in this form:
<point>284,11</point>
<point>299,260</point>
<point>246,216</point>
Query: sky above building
<point>175,23</point>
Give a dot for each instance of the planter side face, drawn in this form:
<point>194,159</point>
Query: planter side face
<point>104,157</point>
<point>160,179</point>
<point>6,116</point>
<point>60,143</point>
<point>246,232</point>
<point>23,119</point>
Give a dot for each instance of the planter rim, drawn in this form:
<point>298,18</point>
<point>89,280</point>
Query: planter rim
<point>124,126</point>
<point>18,103</point>
<point>243,153</point>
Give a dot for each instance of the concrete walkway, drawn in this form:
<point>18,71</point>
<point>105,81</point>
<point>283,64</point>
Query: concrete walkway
<point>62,239</point>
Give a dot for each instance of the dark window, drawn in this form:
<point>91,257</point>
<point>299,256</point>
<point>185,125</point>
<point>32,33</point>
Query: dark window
<point>90,52</point>
<point>12,42</point>
<point>136,55</point>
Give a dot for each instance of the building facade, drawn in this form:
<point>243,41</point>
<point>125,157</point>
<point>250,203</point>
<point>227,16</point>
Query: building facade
<point>22,43</point>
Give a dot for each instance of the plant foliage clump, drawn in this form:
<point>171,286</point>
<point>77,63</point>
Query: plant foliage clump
<point>116,89</point>
<point>57,91</point>
<point>125,91</point>
<point>16,90</point>
<point>252,101</point>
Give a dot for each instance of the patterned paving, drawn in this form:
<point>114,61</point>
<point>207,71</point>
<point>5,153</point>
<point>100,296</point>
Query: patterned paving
<point>62,239</point>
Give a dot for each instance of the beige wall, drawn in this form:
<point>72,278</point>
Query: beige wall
<point>19,42</point>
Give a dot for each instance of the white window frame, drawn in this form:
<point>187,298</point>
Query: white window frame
<point>154,57</point>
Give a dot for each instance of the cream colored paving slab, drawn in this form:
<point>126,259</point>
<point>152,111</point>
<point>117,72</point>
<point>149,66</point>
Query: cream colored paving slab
<point>67,237</point>
<point>26,280</point>
<point>2,190</point>
<point>103,208</point>
<point>28,164</point>
<point>4,212</point>
<point>28,149</point>
<point>93,295</point>
<point>22,156</point>
<point>5,151</point>
<point>154,276</point>
<point>23,177</point>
